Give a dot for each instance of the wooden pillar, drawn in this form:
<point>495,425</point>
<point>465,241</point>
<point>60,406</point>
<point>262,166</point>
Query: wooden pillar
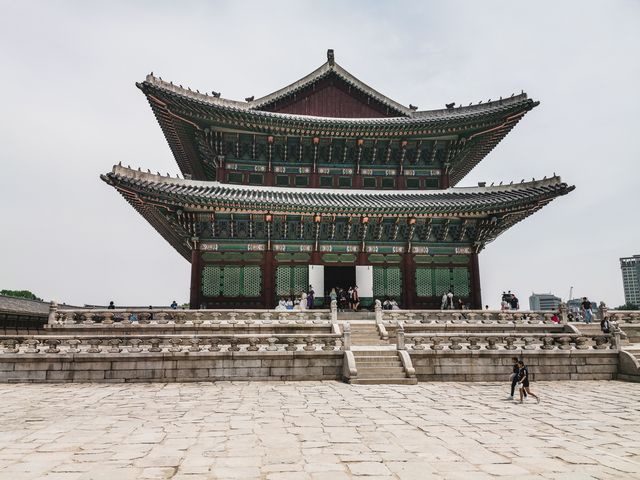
<point>408,282</point>
<point>357,181</point>
<point>196,278</point>
<point>476,296</point>
<point>315,181</point>
<point>268,280</point>
<point>444,180</point>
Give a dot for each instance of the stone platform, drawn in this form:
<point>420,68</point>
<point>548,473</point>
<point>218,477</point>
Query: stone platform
<point>318,431</point>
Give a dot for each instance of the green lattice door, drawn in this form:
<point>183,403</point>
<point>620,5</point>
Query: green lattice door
<point>387,282</point>
<point>231,281</point>
<point>291,280</point>
<point>433,282</point>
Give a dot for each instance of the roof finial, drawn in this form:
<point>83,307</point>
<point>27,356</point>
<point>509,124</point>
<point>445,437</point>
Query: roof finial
<point>249,99</point>
<point>331,57</point>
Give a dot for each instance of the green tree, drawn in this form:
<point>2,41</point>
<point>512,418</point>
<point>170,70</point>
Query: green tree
<point>628,306</point>
<point>19,294</point>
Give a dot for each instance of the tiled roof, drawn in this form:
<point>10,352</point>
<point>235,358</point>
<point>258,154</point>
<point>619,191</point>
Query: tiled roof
<point>453,201</point>
<point>23,306</point>
<point>216,106</point>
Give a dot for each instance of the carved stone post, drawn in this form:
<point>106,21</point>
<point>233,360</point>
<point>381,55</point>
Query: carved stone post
<point>400,336</point>
<point>334,311</point>
<point>564,317</point>
<point>53,309</point>
<point>378,310</point>
<point>346,336</point>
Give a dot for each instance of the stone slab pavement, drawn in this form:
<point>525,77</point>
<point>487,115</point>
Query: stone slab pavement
<point>318,431</point>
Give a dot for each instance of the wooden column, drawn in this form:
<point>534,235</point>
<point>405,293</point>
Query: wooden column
<point>196,278</point>
<point>268,281</point>
<point>408,281</point>
<point>476,295</point>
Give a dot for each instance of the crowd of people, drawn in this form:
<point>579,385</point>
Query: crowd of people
<point>346,298</point>
<point>301,301</point>
<point>509,301</point>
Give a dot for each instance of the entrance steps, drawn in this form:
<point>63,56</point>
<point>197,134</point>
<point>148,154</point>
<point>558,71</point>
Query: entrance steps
<point>366,334</point>
<point>380,367</point>
<point>349,315</point>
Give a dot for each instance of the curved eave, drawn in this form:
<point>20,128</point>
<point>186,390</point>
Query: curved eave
<point>210,196</point>
<point>227,112</point>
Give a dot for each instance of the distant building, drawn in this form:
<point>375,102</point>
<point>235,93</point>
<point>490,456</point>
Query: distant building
<point>630,267</point>
<point>575,305</point>
<point>544,301</point>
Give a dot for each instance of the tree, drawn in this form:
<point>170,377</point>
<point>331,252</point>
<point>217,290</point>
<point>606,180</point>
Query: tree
<point>19,294</point>
<point>628,306</point>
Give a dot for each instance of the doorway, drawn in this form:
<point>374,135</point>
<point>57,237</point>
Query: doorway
<point>342,277</point>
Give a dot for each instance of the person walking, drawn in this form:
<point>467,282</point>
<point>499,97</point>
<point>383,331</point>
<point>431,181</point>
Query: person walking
<point>514,376</point>
<point>523,382</point>
<point>587,313</point>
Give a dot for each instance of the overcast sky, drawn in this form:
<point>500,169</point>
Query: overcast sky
<point>70,110</point>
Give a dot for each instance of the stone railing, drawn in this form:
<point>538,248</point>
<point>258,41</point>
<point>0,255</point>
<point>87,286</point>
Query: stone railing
<point>198,318</point>
<point>467,342</point>
<point>624,316</point>
<point>493,317</point>
<point>131,344</point>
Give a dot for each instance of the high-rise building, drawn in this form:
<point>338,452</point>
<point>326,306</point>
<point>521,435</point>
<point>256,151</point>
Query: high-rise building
<point>630,267</point>
<point>544,301</point>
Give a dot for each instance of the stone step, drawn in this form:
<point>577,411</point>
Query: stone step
<point>383,381</point>
<point>391,372</point>
<point>374,364</point>
<point>377,360</point>
<point>375,353</point>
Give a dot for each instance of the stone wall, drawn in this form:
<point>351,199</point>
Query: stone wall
<point>171,367</point>
<point>489,366</point>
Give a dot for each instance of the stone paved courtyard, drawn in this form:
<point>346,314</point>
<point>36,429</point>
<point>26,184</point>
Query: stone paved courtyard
<point>318,430</point>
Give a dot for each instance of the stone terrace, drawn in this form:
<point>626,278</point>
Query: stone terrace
<point>318,430</point>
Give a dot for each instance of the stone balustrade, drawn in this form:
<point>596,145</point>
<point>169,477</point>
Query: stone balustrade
<point>135,317</point>
<point>468,317</point>
<point>466,342</point>
<point>134,344</point>
<point>624,316</point>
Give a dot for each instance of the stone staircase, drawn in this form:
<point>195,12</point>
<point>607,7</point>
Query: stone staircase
<point>380,367</point>
<point>366,334</point>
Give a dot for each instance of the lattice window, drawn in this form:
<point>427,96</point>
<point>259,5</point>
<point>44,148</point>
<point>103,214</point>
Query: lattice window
<point>231,281</point>
<point>252,281</point>
<point>424,282</point>
<point>291,280</point>
<point>211,281</point>
<point>460,281</point>
<point>441,280</point>
<point>387,282</point>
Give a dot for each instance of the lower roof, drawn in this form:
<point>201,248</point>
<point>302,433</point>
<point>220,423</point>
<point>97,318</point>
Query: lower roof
<point>156,196</point>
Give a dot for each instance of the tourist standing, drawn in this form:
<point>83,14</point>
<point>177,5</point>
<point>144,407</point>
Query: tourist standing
<point>354,298</point>
<point>587,313</point>
<point>174,305</point>
<point>450,300</point>
<point>514,302</point>
<point>443,305</point>
<point>523,382</point>
<point>111,306</point>
<point>310,295</point>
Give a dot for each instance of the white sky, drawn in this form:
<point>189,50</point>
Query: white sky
<point>70,110</point>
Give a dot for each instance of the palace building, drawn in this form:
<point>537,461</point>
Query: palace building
<point>327,182</point>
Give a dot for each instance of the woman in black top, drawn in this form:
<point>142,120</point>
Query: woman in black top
<point>523,382</point>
